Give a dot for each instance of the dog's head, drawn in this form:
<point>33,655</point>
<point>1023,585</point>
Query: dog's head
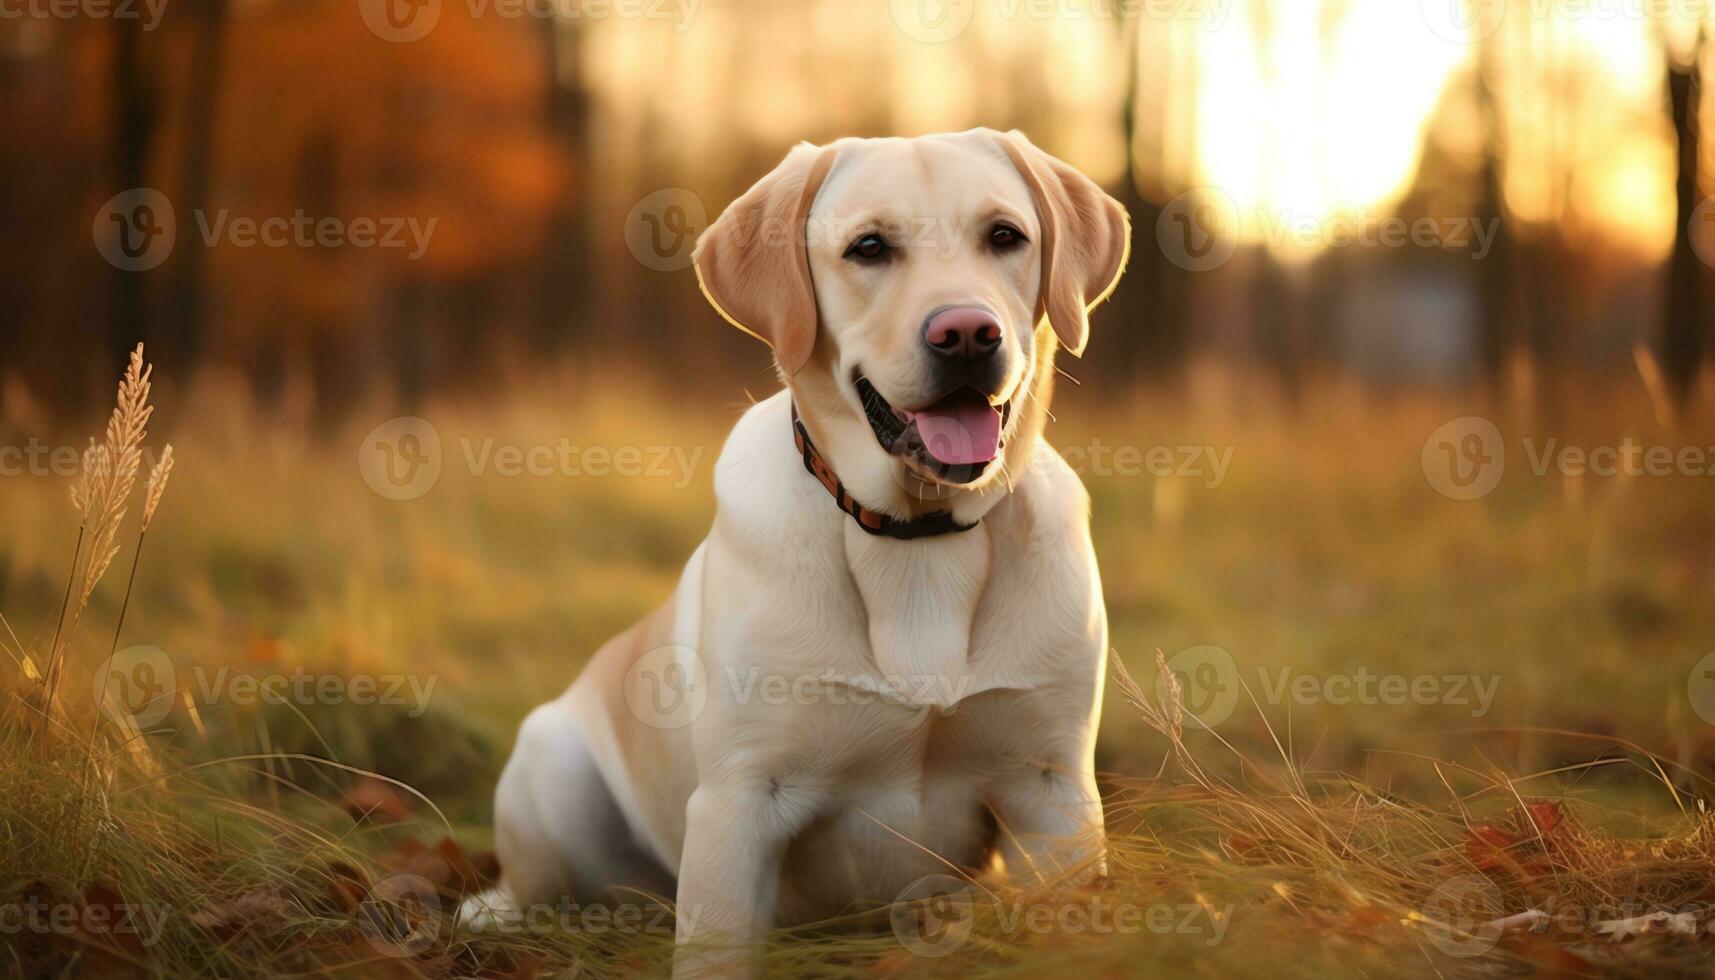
<point>918,288</point>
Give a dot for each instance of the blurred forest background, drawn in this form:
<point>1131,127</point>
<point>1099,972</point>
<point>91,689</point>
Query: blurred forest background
<point>530,139</point>
<point>556,159</point>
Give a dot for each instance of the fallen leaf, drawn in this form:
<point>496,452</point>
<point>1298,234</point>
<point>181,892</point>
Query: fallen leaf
<point>259,906</point>
<point>371,799</point>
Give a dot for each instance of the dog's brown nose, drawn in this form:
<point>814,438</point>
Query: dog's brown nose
<point>962,331</point>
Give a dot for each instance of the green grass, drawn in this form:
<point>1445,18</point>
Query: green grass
<point>1314,833</point>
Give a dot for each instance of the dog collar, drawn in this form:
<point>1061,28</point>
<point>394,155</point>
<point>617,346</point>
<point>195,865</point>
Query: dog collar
<point>881,525</point>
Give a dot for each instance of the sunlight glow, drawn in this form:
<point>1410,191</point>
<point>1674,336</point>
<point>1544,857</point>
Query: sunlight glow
<point>1308,114</point>
<point>1295,109</point>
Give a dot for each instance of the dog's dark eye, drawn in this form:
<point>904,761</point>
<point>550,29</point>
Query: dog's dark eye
<point>1003,237</point>
<point>868,248</point>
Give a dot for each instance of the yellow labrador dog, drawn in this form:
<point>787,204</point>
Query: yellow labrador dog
<point>886,660</point>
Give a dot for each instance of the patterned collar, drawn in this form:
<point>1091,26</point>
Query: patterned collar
<point>881,525</point>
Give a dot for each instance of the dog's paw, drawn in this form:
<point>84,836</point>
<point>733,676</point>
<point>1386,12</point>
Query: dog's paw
<point>486,911</point>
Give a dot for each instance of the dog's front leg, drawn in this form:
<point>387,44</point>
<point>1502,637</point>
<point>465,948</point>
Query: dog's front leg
<point>1050,818</point>
<point>729,877</point>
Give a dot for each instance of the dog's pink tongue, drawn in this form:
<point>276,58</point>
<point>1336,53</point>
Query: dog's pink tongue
<point>968,432</point>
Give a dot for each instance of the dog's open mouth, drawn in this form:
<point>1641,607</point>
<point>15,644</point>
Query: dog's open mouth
<point>954,440</point>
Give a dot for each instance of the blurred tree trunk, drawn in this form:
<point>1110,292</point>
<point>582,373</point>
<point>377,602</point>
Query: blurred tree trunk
<point>1328,280</point>
<point>1278,308</point>
<point>1545,320</point>
<point>1277,302</point>
<point>1153,292</point>
<point>1682,350</point>
<point>1496,336</point>
<point>134,127</point>
<point>562,290</point>
<point>1551,317</point>
<point>183,332</point>
<point>409,341</point>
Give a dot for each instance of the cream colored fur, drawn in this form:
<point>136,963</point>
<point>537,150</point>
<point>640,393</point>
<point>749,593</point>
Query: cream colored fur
<point>988,647</point>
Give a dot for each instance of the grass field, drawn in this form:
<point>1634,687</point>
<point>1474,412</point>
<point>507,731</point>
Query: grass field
<point>1407,721</point>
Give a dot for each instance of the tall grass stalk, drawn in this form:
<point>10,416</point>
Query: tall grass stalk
<point>101,496</point>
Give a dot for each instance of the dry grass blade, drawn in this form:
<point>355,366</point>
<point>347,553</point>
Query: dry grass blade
<point>162,469</point>
<point>123,448</point>
<point>101,496</point>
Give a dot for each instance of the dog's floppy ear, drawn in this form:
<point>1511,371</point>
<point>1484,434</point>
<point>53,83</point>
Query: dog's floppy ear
<point>751,262</point>
<point>1086,238</point>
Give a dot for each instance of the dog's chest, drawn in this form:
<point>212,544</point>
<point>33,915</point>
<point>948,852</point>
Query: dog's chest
<point>942,669</point>
<point>1002,606</point>
<point>912,793</point>
<point>976,648</point>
